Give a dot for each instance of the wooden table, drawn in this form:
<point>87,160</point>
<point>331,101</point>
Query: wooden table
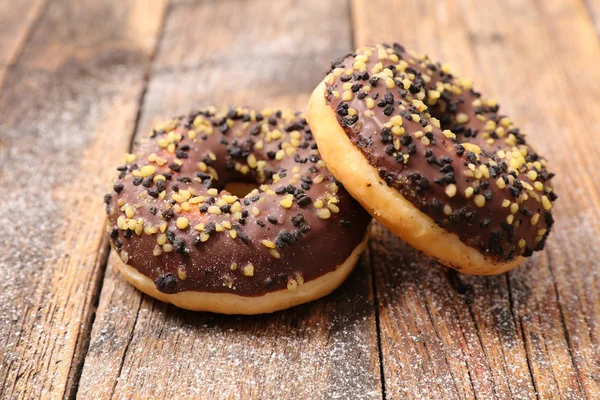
<point>80,79</point>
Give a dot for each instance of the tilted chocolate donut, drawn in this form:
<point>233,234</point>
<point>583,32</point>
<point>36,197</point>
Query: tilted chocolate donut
<point>432,159</point>
<point>183,239</point>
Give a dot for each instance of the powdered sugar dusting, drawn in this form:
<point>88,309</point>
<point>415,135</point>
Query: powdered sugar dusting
<point>49,123</point>
<point>325,349</point>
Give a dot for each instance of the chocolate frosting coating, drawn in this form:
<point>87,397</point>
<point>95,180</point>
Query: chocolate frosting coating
<point>445,148</point>
<point>172,220</point>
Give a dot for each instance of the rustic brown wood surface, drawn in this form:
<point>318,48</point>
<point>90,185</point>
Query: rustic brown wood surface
<point>80,79</point>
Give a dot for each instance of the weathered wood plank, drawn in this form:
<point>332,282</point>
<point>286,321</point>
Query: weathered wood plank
<point>533,331</point>
<point>326,349</point>
<point>67,110</point>
<point>17,20</point>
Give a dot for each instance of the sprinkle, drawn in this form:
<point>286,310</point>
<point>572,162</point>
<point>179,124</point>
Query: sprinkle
<point>448,134</point>
<point>286,202</point>
<point>546,203</point>
<point>323,213</point>
<point>479,200</point>
<point>129,212</point>
<point>248,270</point>
<point>147,170</point>
<point>268,244</point>
<point>462,118</point>
<point>451,190</point>
<point>182,223</point>
<point>214,210</point>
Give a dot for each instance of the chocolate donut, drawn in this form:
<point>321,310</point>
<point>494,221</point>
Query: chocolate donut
<point>184,239</point>
<point>432,159</point>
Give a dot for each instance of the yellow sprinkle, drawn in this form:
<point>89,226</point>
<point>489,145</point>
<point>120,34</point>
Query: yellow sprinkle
<point>147,170</point>
<point>323,213</point>
<point>535,219</point>
<point>129,212</point>
<point>347,95</point>
<point>479,200</point>
<point>286,202</point>
<point>469,192</point>
<point>181,274</point>
<point>462,118</point>
<point>434,94</point>
<point>275,253</point>
<point>161,239</point>
<point>359,65</point>
<point>522,243</point>
<point>546,203</point>
<point>370,102</point>
<point>396,120</point>
<point>510,219</point>
<point>451,190</point>
<point>505,203</point>
<point>248,270</point>
<point>447,209</point>
<point>389,82</point>
<point>484,171</point>
<point>292,284</point>
<point>448,134</point>
<point>252,161</point>
<point>129,158</point>
<point>514,207</point>
<point>268,244</point>
<point>500,183</point>
<point>532,175</point>
<point>214,210</point>
<point>472,147</point>
<point>182,222</point>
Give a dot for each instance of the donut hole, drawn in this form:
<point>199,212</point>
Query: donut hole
<point>239,188</point>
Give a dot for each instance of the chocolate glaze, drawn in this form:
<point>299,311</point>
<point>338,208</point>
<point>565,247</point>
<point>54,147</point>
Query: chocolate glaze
<point>297,226</point>
<point>447,152</point>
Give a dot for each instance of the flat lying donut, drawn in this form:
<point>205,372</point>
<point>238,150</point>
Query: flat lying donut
<point>184,240</point>
<point>432,160</point>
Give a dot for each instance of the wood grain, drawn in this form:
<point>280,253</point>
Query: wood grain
<point>326,349</point>
<point>17,19</point>
<point>77,79</point>
<point>534,331</point>
<point>76,83</point>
